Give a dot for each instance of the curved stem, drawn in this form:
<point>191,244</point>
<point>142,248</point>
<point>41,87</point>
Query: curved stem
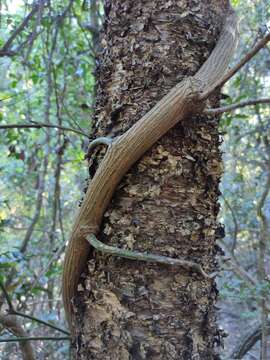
<point>99,141</point>
<point>143,256</point>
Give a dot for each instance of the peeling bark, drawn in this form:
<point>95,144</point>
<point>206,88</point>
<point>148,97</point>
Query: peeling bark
<point>167,203</point>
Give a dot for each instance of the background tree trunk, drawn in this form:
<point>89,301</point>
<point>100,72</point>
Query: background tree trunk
<point>168,203</point>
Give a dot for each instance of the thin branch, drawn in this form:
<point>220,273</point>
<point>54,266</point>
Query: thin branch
<point>13,311</point>
<point>42,125</point>
<point>217,111</point>
<point>70,118</point>
<point>257,129</point>
<point>35,338</point>
<point>34,34</point>
<point>40,321</point>
<point>91,48</point>
<point>90,28</point>
<point>8,53</point>
<point>61,223</point>
<point>12,96</point>
<point>237,67</point>
<point>5,50</point>
<point>56,197</point>
<point>58,98</point>
<point>248,341</point>
<point>140,256</point>
<point>239,271</point>
<point>237,268</point>
<point>54,258</point>
<point>235,222</point>
<point>65,11</point>
<point>38,207</point>
<point>12,325</point>
<point>7,297</point>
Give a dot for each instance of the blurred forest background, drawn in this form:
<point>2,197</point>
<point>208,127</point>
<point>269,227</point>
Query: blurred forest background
<point>47,91</point>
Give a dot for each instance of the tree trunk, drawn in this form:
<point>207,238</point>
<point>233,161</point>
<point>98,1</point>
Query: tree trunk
<point>168,203</point>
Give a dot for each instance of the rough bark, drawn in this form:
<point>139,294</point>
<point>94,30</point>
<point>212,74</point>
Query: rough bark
<point>167,203</point>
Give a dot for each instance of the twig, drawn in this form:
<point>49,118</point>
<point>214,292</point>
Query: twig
<point>237,268</point>
<point>91,48</point>
<point>7,297</point>
<point>34,34</point>
<point>40,321</point>
<point>13,326</point>
<point>148,257</point>
<point>248,341</point>
<point>237,67</point>
<point>99,141</point>
<point>38,206</point>
<point>251,132</point>
<point>234,218</point>
<point>5,50</point>
<point>65,11</point>
<point>35,338</point>
<point>41,125</point>
<point>54,258</point>
<point>13,311</point>
<point>217,111</point>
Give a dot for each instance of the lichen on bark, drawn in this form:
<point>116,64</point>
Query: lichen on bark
<point>167,203</point>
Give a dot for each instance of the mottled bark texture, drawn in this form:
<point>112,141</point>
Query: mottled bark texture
<point>168,203</point>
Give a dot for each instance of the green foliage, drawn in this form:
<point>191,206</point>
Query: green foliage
<point>246,153</point>
<point>47,81</point>
<point>235,2</point>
